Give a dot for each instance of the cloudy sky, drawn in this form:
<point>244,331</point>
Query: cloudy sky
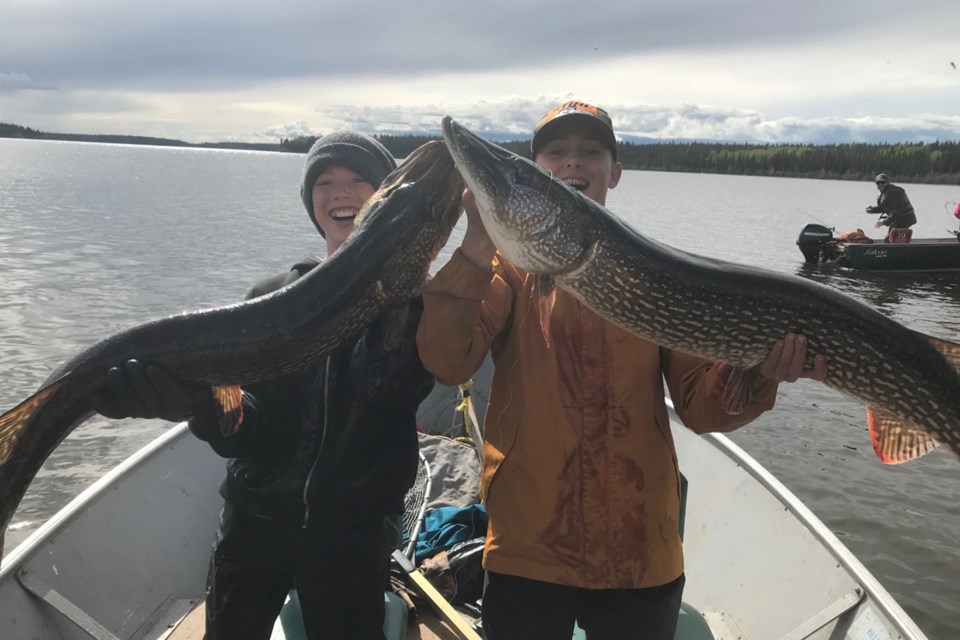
<point>746,70</point>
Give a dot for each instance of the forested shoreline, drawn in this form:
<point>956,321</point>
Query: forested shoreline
<point>909,162</point>
<point>934,163</point>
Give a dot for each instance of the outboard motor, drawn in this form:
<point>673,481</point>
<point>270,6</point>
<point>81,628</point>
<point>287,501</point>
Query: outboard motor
<point>817,243</point>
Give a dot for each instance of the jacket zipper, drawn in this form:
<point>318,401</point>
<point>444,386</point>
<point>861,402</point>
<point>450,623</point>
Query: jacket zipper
<point>323,437</point>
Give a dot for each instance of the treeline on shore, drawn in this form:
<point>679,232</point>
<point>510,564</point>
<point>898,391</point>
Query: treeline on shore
<point>16,131</point>
<point>917,162</point>
<point>914,162</point>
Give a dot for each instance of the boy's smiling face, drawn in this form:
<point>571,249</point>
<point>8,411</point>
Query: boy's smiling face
<point>338,195</point>
<point>581,161</point>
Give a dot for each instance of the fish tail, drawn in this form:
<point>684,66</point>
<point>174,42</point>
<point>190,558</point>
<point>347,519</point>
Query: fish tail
<point>951,354</point>
<point>13,423</point>
<point>229,401</point>
<point>895,442</point>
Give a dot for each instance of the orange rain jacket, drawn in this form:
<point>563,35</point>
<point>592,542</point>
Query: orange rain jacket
<point>580,474</point>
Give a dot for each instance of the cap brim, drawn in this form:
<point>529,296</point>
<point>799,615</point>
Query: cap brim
<point>558,127</point>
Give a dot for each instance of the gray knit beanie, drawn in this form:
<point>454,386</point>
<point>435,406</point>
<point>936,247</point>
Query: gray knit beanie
<point>355,151</point>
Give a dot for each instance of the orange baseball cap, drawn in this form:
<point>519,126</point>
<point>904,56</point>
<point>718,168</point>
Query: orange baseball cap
<point>596,119</point>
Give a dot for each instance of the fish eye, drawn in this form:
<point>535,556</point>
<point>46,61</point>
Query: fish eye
<point>522,174</point>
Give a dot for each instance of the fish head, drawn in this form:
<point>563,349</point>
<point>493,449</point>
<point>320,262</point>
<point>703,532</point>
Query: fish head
<point>427,175</point>
<point>535,220</point>
<point>416,207</point>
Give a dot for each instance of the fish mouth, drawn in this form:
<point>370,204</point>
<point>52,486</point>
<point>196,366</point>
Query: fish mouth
<point>533,218</point>
<point>482,164</point>
<point>431,170</point>
<point>423,164</point>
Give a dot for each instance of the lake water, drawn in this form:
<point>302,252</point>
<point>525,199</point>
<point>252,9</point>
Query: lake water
<point>95,238</point>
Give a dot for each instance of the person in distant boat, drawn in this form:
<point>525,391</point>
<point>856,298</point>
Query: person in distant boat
<point>893,202</point>
<point>580,474</point>
<point>323,457</point>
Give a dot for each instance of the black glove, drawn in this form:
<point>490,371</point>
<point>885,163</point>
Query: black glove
<point>138,390</point>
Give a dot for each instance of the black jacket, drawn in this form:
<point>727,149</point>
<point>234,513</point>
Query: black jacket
<point>334,442</point>
<point>894,202</point>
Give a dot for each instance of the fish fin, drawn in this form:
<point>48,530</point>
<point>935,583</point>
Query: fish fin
<point>894,442</point>
<point>547,288</point>
<point>737,385</point>
<point>229,401</point>
<point>949,350</point>
<point>15,421</point>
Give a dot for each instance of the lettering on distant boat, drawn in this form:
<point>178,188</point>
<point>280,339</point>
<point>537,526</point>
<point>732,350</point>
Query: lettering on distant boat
<point>867,626</point>
<point>876,253</point>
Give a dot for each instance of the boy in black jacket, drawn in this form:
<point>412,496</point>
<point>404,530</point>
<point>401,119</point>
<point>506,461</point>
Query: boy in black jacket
<point>323,456</point>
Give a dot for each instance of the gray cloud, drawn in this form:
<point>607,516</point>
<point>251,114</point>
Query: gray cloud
<point>60,103</point>
<point>165,68</point>
<point>290,130</point>
<point>515,118</point>
<point>923,128</point>
<point>186,46</point>
<point>19,82</point>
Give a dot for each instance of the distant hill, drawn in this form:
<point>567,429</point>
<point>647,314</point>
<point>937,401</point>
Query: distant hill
<point>17,131</point>
<point>242,146</point>
<point>116,139</point>
<point>916,162</point>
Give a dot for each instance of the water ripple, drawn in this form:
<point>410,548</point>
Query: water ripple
<point>137,233</point>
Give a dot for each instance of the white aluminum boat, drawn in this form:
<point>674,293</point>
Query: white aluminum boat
<point>128,557</point>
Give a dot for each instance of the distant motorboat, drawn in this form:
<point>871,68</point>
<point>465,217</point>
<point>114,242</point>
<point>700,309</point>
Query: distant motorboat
<point>820,244</point>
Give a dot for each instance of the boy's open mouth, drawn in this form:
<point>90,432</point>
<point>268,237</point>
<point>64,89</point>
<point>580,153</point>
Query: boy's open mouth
<point>343,215</point>
<point>576,183</point>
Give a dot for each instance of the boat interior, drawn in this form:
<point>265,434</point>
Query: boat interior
<point>759,564</point>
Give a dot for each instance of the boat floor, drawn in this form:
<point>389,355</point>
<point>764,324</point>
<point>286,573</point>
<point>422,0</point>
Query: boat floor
<point>424,626</point>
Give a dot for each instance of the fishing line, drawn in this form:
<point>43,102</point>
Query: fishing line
<point>822,222</point>
<point>950,206</point>
<point>550,184</point>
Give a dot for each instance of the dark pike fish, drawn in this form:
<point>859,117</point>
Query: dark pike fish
<point>384,262</point>
<point>718,310</point>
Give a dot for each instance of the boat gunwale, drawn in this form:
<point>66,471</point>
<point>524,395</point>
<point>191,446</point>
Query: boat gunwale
<point>878,594</point>
<point>25,551</point>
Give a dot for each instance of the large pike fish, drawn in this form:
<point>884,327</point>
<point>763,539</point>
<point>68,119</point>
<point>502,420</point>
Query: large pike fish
<point>385,261</point>
<point>718,310</point>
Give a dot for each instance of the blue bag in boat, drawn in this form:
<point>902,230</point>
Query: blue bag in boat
<point>446,526</point>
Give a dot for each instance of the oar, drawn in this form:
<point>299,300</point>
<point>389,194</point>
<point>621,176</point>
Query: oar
<point>446,611</point>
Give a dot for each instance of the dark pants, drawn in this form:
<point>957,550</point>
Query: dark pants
<point>521,609</point>
<point>340,574</point>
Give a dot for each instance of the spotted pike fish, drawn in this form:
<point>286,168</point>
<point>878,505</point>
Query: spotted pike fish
<point>717,310</point>
<point>384,262</point>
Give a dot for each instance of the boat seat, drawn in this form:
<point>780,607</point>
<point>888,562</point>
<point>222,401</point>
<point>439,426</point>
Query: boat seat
<point>899,236</point>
